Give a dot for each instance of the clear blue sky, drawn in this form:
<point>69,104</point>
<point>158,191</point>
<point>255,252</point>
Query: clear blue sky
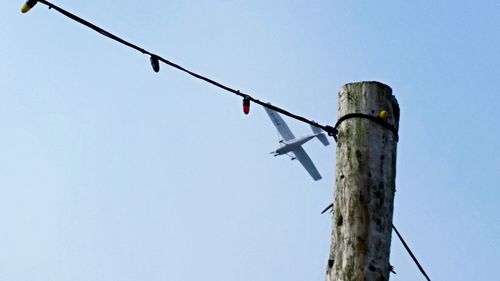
<point>110,171</point>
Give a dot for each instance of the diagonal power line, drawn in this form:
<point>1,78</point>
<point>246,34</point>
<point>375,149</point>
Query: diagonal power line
<point>155,58</point>
<point>407,248</point>
<point>411,253</point>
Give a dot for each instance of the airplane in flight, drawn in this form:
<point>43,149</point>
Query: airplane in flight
<point>292,146</point>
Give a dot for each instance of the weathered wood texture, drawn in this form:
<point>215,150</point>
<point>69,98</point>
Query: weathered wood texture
<point>365,185</point>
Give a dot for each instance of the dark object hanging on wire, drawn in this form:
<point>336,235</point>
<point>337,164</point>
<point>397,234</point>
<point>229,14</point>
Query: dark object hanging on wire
<point>155,63</point>
<point>28,5</point>
<point>246,105</point>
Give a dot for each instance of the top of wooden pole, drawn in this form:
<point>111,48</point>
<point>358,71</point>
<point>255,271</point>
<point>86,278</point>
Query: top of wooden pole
<point>381,98</point>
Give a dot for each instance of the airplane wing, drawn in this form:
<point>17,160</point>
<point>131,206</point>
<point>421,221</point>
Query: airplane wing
<point>304,159</point>
<point>280,124</point>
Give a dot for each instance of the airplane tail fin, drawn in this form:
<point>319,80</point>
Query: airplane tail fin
<point>320,135</point>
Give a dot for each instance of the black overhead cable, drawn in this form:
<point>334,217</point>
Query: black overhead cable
<point>377,119</point>
<point>411,253</point>
<point>90,25</point>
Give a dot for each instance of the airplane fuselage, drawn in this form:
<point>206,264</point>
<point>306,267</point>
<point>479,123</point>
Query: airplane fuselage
<point>291,145</point>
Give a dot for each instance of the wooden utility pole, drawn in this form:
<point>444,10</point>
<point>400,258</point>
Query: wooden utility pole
<point>365,183</point>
